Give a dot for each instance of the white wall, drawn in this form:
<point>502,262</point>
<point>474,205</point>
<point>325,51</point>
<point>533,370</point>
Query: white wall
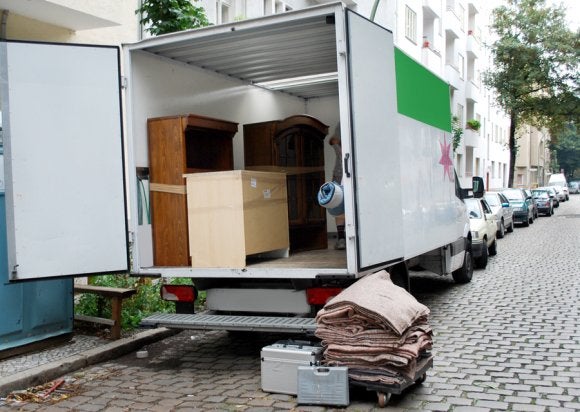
<point>162,88</point>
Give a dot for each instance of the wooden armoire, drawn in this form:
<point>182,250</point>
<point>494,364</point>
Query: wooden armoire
<point>295,146</point>
<point>179,145</point>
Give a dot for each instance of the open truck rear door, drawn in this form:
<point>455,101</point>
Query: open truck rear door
<point>63,152</point>
<point>374,144</point>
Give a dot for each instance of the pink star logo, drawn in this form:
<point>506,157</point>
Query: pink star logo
<point>445,160</point>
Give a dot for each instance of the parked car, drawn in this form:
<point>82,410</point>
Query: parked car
<point>483,227</point>
<point>553,194</point>
<point>502,211</point>
<point>522,204</point>
<point>544,203</point>
<point>559,193</point>
<point>528,192</point>
<point>574,187</point>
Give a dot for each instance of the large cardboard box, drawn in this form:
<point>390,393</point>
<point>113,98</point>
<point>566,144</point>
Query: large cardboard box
<point>235,213</point>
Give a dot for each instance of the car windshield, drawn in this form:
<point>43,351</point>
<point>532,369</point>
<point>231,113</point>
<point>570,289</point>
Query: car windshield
<point>473,210</point>
<point>492,200</point>
<point>513,194</point>
<point>541,195</point>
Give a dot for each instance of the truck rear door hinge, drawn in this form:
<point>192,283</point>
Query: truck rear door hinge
<point>124,82</point>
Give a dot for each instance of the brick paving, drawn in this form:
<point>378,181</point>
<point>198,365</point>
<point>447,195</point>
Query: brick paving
<point>509,340</point>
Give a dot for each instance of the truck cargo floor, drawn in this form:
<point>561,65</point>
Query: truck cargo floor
<point>318,259</point>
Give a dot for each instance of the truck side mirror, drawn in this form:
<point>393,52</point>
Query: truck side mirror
<point>477,186</point>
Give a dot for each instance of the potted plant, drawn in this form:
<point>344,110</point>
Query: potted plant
<point>473,124</point>
<point>426,43</point>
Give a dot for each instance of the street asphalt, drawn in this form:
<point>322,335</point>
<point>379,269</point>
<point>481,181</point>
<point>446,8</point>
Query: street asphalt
<point>509,340</point>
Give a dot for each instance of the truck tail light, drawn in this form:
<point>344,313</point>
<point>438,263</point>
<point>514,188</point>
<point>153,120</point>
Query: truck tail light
<point>319,296</point>
<point>178,293</point>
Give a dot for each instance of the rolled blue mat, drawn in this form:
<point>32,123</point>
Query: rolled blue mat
<point>331,197</point>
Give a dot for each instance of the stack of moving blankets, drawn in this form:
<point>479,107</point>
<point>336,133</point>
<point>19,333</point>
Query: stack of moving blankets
<point>375,328</point>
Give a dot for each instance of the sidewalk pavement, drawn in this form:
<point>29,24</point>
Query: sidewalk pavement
<point>31,369</point>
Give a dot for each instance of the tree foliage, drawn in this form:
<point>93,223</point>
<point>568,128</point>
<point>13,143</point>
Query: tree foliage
<point>567,151</point>
<point>168,16</point>
<point>535,69</point>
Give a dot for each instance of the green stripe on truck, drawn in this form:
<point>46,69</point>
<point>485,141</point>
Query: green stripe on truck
<point>421,95</point>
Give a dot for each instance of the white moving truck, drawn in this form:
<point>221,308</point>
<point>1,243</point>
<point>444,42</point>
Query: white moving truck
<point>76,139</point>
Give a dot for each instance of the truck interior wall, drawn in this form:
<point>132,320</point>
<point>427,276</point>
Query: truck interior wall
<point>164,88</point>
<point>160,87</point>
<point>326,109</point>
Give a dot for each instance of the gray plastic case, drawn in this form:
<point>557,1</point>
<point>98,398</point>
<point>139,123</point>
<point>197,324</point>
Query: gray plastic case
<point>323,385</point>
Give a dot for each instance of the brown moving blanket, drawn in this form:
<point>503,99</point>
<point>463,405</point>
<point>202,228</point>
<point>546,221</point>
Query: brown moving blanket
<point>375,328</point>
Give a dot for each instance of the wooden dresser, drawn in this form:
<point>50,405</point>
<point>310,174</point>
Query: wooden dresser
<point>179,145</point>
<point>295,146</point>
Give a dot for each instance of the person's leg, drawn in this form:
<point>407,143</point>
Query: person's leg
<point>341,240</point>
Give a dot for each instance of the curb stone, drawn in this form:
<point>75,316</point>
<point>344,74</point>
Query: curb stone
<point>44,373</point>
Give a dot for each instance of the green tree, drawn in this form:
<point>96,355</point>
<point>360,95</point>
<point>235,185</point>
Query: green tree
<point>535,69</point>
<point>168,16</point>
<point>566,151</point>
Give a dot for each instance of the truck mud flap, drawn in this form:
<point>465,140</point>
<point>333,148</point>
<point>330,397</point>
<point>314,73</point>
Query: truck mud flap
<point>204,321</point>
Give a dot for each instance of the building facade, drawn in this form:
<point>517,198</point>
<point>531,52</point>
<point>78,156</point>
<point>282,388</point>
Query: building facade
<point>532,167</point>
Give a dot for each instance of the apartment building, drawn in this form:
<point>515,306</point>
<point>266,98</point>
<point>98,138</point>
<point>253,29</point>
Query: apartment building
<point>447,36</point>
<point>532,167</point>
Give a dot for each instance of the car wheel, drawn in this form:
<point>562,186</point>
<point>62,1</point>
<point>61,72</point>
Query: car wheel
<point>465,272</point>
<point>510,229</point>
<point>501,231</point>
<point>481,262</point>
<point>531,220</point>
<point>493,248</point>
<point>526,223</point>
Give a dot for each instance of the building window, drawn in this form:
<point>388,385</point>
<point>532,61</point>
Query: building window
<point>458,165</point>
<point>410,24</point>
<point>223,11</point>
<point>461,16</point>
<point>461,68</point>
<point>459,114</point>
<point>268,7</point>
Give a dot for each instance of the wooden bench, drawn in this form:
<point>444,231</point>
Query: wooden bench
<point>116,295</point>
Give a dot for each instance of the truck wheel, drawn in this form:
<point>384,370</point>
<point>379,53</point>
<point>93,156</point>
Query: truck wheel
<point>481,262</point>
<point>465,272</point>
<point>493,248</point>
<point>501,231</point>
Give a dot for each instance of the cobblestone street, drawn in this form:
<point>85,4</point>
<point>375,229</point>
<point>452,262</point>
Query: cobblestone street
<point>509,340</point>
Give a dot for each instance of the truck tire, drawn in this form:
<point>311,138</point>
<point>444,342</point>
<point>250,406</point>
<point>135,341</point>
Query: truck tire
<point>465,272</point>
<point>400,276</point>
<point>481,262</point>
